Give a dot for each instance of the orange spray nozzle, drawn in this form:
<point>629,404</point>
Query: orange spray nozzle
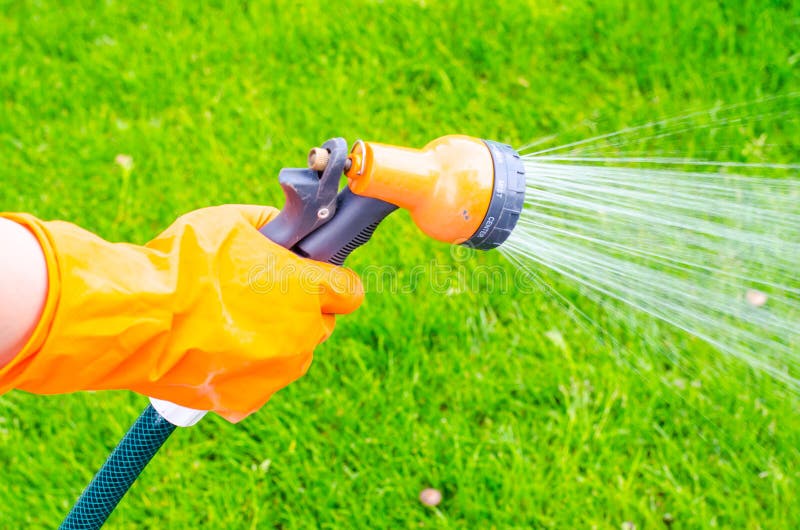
<point>458,189</point>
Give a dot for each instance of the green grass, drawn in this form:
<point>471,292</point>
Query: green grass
<point>520,417</point>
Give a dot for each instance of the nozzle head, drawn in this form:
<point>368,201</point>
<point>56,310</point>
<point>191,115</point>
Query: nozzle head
<point>508,197</point>
<point>458,189</point>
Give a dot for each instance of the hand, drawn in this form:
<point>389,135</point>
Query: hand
<point>210,314</point>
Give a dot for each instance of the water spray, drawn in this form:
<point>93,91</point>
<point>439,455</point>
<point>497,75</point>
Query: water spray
<point>708,245</point>
<point>458,189</point>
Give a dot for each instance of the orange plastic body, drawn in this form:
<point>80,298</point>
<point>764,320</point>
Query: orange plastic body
<point>446,186</point>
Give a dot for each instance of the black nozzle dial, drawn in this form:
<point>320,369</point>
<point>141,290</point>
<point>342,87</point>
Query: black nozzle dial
<point>508,198</point>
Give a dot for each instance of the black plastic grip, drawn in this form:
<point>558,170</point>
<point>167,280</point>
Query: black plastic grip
<point>299,214</point>
<point>317,222</point>
<point>310,197</point>
<point>355,220</point>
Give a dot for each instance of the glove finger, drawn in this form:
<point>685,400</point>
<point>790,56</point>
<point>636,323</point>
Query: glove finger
<point>233,387</point>
<point>341,291</point>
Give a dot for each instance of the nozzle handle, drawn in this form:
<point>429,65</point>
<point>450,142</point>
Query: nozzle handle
<point>355,220</point>
<point>310,197</point>
<point>335,238</point>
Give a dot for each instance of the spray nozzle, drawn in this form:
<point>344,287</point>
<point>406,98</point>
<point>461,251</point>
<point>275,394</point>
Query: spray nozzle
<point>458,189</point>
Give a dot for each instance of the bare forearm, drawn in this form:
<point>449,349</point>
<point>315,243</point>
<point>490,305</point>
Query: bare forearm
<point>23,287</point>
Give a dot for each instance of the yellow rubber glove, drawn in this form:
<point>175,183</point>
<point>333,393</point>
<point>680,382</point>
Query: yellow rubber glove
<point>210,314</point>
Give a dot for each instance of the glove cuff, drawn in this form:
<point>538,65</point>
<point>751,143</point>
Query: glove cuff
<point>15,368</point>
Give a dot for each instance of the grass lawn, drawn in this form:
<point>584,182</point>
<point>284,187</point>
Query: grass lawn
<point>521,418</point>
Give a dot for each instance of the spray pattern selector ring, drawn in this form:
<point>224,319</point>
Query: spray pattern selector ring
<point>508,197</point>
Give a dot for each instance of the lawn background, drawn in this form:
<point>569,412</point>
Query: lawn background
<point>520,417</point>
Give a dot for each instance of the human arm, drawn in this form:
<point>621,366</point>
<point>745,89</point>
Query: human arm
<point>210,314</point>
<point>23,287</point>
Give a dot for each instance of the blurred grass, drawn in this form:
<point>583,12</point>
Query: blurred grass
<point>521,418</point>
